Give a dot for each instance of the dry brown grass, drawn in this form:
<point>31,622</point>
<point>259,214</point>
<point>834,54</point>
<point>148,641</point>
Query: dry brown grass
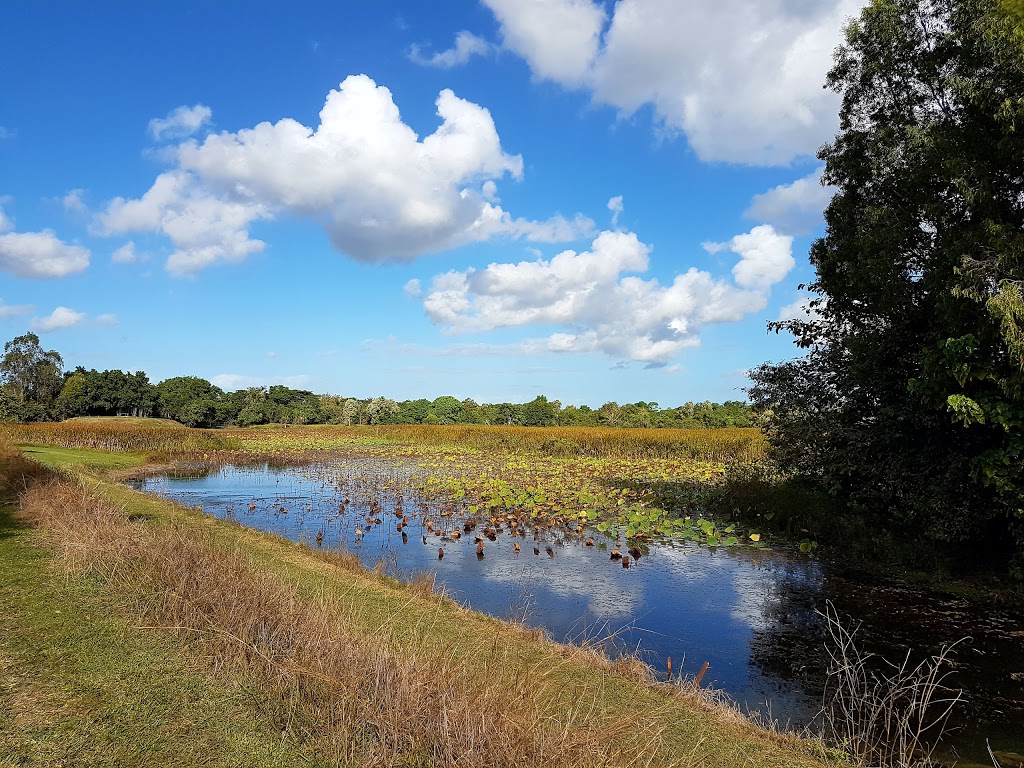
<point>356,699</point>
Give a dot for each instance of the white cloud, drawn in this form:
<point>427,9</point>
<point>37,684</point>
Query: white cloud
<point>179,123</point>
<point>5,223</point>
<point>765,257</point>
<point>61,317</point>
<point>106,319</point>
<point>39,254</point>
<point>14,310</point>
<point>558,38</point>
<point>467,45</point>
<point>125,254</point>
<point>800,309</point>
<point>598,306</point>
<point>795,208</point>
<point>233,381</point>
<point>413,288</point>
<point>380,192</point>
<point>742,80</point>
<point>73,201</point>
<point>204,228</point>
<point>615,206</point>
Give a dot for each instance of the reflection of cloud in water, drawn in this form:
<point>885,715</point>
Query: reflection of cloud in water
<point>611,592</point>
<point>753,574</point>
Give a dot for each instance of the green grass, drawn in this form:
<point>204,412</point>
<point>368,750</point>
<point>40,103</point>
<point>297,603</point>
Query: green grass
<point>81,686</point>
<point>86,458</point>
<point>126,422</point>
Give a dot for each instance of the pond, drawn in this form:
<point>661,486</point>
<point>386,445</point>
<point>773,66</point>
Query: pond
<point>752,613</point>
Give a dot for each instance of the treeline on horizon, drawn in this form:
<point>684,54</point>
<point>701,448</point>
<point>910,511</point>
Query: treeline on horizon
<point>34,387</point>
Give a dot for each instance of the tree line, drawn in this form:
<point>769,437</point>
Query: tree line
<point>35,387</point>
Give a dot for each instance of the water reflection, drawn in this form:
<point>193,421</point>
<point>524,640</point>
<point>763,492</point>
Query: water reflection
<point>751,613</point>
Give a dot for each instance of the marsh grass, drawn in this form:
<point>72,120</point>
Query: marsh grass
<point>154,436</point>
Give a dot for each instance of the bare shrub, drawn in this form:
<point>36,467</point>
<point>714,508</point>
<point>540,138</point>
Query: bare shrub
<point>884,714</point>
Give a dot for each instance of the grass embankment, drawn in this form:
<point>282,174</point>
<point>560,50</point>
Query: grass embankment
<point>80,685</point>
<point>340,665</point>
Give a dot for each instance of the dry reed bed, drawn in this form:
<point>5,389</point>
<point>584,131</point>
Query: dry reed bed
<point>114,435</point>
<point>734,444</point>
<point>392,696</point>
<point>172,440</point>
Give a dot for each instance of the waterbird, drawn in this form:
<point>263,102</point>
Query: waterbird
<point>536,550</point>
<point>480,550</point>
<point>549,550</point>
<point>589,542</point>
<point>625,561</point>
<point>635,551</point>
<point>405,537</point>
<point>440,553</point>
<point>515,546</point>
<point>320,538</point>
<point>616,554</point>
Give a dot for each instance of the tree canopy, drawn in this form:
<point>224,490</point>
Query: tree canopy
<point>909,399</point>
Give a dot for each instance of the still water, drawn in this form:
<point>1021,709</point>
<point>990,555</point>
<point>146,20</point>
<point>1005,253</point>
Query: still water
<point>753,614</point>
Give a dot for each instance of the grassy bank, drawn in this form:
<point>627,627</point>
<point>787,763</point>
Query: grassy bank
<point>342,664</point>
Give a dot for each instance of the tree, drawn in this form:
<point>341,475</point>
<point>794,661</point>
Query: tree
<point>909,399</point>
<point>31,376</point>
<point>191,400</point>
<point>539,412</point>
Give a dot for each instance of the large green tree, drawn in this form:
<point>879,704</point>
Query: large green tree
<point>909,399</point>
<point>31,376</point>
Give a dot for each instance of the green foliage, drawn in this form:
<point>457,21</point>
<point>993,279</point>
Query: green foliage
<point>909,400</point>
<point>30,376</point>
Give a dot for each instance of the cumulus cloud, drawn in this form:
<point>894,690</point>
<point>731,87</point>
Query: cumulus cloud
<point>380,191</point>
<point>204,228</point>
<point>39,254</point>
<point>615,206</point>
<point>743,81</point>
<point>794,208</point>
<point>61,317</point>
<point>73,201</point>
<point>125,254</point>
<point>558,38</point>
<point>598,303</point>
<point>179,123</point>
<point>765,257</point>
<point>5,223</point>
<point>467,45</point>
<point>14,310</point>
<point>800,309</point>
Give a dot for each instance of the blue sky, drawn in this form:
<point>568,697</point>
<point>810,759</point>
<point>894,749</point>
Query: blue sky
<point>491,200</point>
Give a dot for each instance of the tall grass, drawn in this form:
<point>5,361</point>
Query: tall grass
<point>728,445</point>
<point>170,439</point>
<point>113,435</point>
